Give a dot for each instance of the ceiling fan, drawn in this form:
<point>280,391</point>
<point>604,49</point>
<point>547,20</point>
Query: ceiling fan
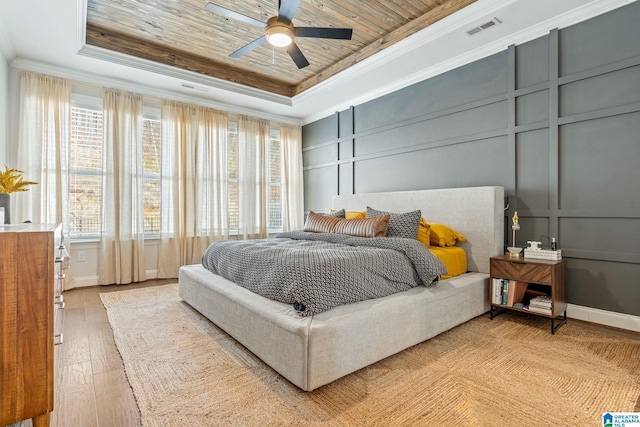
<point>280,32</point>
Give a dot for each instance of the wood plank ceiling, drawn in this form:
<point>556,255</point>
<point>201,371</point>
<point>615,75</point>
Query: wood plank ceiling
<point>181,33</point>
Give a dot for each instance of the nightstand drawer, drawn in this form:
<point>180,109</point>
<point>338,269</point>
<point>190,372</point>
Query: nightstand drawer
<point>528,272</point>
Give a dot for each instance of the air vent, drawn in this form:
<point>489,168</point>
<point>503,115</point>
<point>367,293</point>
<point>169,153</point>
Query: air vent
<point>194,87</point>
<point>475,30</point>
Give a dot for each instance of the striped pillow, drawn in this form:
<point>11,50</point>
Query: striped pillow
<point>362,227</point>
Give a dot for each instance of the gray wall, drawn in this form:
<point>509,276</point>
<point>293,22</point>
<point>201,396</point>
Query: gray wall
<point>556,121</point>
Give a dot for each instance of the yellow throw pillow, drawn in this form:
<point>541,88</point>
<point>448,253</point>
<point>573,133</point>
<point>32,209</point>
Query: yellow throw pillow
<point>352,214</point>
<point>443,236</point>
<point>424,232</point>
<point>355,215</point>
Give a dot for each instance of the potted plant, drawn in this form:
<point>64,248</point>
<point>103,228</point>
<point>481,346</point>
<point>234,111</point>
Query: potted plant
<point>11,182</point>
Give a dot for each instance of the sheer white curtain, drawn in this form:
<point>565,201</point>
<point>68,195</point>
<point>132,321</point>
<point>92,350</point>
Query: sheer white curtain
<point>253,177</point>
<point>121,249</point>
<point>292,184</point>
<point>43,152</point>
<point>43,148</point>
<point>194,194</point>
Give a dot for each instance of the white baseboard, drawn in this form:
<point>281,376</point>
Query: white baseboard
<point>604,317</point>
<point>86,281</point>
<point>578,312</point>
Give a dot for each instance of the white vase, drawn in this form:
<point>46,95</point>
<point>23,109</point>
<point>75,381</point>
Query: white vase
<point>5,202</point>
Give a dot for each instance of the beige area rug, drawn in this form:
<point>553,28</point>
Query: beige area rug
<point>509,371</point>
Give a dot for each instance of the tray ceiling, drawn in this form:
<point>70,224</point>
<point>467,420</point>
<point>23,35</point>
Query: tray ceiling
<point>183,34</point>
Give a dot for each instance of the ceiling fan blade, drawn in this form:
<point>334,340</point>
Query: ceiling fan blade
<point>219,10</point>
<point>325,33</point>
<point>287,9</point>
<point>249,47</point>
<point>296,54</point>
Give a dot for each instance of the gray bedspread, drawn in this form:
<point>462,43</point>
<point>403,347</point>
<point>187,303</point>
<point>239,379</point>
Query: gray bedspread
<point>318,271</point>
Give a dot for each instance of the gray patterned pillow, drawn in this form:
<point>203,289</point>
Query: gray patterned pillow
<point>400,224</point>
<point>336,214</point>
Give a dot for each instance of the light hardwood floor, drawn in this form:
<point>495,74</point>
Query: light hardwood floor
<point>92,388</point>
<point>91,385</point>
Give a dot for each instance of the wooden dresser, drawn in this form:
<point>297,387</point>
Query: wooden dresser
<point>31,257</point>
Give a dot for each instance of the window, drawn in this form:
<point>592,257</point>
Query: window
<point>85,176</point>
<point>232,181</point>
<point>274,203</point>
<point>275,190</point>
<point>151,171</point>
<point>85,180</point>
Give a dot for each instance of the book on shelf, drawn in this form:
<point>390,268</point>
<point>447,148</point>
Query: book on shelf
<point>534,309</point>
<point>541,301</point>
<point>496,291</point>
<point>507,292</point>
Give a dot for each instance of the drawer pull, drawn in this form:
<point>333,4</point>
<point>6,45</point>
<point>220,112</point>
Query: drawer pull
<point>58,339</point>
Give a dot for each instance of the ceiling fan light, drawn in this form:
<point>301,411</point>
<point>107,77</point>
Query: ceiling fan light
<point>279,39</point>
<point>278,33</point>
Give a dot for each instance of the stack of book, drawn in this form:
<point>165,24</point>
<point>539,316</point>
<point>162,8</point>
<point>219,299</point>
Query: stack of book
<point>507,292</point>
<point>543,254</point>
<point>540,304</point>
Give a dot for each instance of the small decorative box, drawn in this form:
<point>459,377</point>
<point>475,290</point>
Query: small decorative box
<point>543,254</point>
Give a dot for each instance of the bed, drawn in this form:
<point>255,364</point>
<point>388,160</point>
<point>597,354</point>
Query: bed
<point>312,351</point>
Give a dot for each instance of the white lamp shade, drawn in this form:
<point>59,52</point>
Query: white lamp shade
<point>279,40</point>
<point>279,34</point>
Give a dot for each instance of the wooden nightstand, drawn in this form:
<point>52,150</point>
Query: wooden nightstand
<point>541,276</point>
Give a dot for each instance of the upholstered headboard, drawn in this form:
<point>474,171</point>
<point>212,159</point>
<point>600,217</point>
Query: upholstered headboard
<point>476,212</point>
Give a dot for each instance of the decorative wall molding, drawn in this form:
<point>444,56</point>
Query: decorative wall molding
<point>456,21</point>
<point>397,149</point>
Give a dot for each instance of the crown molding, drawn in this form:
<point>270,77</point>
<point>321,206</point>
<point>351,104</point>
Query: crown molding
<point>142,64</point>
<point>81,23</point>
<point>177,73</point>
<point>95,80</point>
<point>453,23</point>
<point>438,29</point>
